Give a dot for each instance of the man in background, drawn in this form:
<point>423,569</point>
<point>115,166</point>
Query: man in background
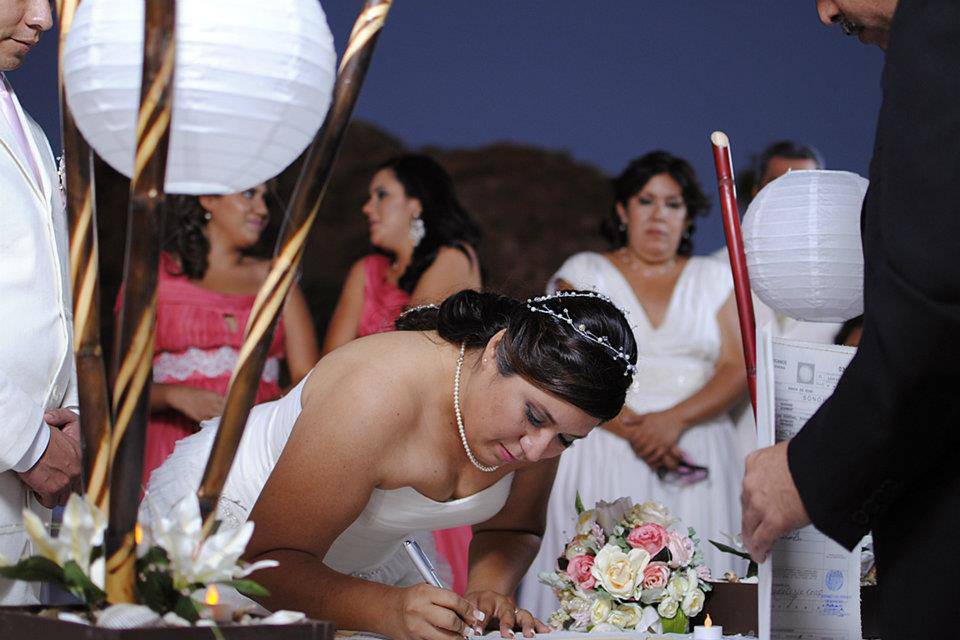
<point>39,430</point>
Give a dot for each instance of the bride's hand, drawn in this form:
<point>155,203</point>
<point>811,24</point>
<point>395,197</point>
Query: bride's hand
<point>503,609</point>
<point>654,437</point>
<point>429,613</point>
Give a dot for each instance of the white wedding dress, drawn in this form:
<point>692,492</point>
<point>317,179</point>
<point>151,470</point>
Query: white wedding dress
<point>675,360</point>
<point>370,548</point>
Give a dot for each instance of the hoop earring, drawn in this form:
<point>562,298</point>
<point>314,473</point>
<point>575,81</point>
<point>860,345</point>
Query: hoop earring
<point>417,230</point>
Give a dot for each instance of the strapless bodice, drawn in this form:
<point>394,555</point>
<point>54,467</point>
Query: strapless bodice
<point>373,539</point>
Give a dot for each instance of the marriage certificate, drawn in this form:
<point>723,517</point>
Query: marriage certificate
<point>809,586</point>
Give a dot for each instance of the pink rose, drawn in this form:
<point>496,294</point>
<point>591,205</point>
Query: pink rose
<point>579,571</point>
<point>681,549</point>
<point>656,575</point>
<point>651,537</point>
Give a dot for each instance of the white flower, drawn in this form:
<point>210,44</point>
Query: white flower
<point>692,602</point>
<point>610,513</point>
<point>601,610</point>
<point>668,608</point>
<point>651,512</point>
<point>677,588</point>
<point>618,572</point>
<point>215,560</point>
<point>81,531</point>
<point>625,616</point>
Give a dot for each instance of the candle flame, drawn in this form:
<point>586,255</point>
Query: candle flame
<point>706,623</point>
<point>137,534</point>
<point>212,596</point>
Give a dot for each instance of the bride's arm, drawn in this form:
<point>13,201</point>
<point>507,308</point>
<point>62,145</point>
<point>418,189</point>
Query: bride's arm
<point>335,456</point>
<point>504,546</point>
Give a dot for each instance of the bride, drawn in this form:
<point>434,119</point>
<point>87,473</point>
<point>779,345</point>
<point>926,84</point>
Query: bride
<point>457,418</point>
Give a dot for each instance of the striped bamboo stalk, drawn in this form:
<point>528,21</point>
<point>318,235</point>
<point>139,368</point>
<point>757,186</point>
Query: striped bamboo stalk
<point>318,163</point>
<point>723,161</point>
<point>133,351</point>
<point>84,277</point>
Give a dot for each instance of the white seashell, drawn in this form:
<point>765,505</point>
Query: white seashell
<point>284,617</point>
<point>127,616</point>
<point>171,619</point>
<point>66,616</point>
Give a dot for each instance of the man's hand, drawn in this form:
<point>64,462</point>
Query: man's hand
<point>770,501</point>
<point>57,471</point>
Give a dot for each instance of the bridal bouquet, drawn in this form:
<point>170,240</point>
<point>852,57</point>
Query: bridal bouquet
<point>629,567</point>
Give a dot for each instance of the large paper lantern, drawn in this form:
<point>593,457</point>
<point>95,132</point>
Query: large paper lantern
<point>801,235</point>
<point>252,85</point>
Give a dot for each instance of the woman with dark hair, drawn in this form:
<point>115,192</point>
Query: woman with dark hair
<point>457,418</point>
<point>674,441</point>
<point>425,248</point>
<point>208,279</point>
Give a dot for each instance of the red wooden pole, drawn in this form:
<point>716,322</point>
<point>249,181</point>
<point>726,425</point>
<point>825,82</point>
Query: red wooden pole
<point>738,260</point>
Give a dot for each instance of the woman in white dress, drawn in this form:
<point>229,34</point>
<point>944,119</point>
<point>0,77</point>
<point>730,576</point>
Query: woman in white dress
<point>690,371</point>
<point>458,418</point>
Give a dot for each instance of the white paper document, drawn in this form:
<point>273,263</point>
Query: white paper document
<point>810,586</point>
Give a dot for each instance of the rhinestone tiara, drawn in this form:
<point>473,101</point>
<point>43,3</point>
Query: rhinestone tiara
<point>536,305</point>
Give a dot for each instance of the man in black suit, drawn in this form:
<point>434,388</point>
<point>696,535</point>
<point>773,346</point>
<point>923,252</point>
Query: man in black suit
<point>881,453</point>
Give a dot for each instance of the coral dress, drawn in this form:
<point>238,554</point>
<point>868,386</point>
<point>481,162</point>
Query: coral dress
<point>382,304</point>
<point>199,333</point>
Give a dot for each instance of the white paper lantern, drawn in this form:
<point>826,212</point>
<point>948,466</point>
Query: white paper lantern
<point>801,235</point>
<point>252,85</point>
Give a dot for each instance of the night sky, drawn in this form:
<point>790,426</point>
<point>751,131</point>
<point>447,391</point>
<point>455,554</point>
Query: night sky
<point>605,81</point>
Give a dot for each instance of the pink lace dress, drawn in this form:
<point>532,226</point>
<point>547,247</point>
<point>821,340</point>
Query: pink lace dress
<point>382,304</point>
<point>199,333</point>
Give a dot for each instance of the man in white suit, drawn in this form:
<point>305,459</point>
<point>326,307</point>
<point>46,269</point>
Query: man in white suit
<point>39,428</point>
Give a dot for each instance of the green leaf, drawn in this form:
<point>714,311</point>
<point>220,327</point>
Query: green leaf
<point>82,586</point>
<point>676,624</point>
<point>154,555</point>
<point>248,588</point>
<point>34,569</point>
<point>728,549</point>
<point>155,589</point>
<point>187,609</point>
<point>578,504</point>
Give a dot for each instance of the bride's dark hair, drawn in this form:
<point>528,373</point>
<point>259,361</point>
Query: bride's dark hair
<point>540,348</point>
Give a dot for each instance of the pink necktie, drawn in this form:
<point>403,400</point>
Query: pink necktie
<point>19,135</point>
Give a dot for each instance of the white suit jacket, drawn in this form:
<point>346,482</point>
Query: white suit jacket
<point>37,370</point>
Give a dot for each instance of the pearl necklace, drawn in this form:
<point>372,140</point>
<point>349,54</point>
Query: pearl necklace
<point>456,410</point>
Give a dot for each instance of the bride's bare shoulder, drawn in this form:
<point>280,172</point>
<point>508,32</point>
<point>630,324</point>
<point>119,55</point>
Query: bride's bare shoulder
<point>367,387</point>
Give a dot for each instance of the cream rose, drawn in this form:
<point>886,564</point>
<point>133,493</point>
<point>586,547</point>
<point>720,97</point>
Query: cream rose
<point>692,602</point>
<point>601,610</point>
<point>651,512</point>
<point>618,572</point>
<point>677,588</point>
<point>668,608</point>
<point>625,616</point>
<point>585,522</point>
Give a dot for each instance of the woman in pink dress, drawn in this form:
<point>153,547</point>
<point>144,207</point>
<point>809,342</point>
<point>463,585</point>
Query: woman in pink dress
<point>424,249</point>
<point>207,283</point>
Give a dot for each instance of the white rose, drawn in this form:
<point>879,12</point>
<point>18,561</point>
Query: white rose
<point>692,603</point>
<point>653,513</point>
<point>601,609</point>
<point>677,588</point>
<point>619,572</point>
<point>668,608</point>
<point>625,616</point>
<point>610,513</point>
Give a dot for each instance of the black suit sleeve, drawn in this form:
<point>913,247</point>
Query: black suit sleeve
<point>895,414</point>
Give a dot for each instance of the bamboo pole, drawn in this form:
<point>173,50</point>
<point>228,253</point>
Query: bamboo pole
<point>84,277</point>
<point>738,261</point>
<point>301,213</point>
<point>133,352</point>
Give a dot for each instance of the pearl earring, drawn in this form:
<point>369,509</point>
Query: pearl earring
<point>207,216</point>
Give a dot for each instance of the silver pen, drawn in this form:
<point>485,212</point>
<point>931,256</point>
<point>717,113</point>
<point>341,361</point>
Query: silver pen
<point>422,563</point>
